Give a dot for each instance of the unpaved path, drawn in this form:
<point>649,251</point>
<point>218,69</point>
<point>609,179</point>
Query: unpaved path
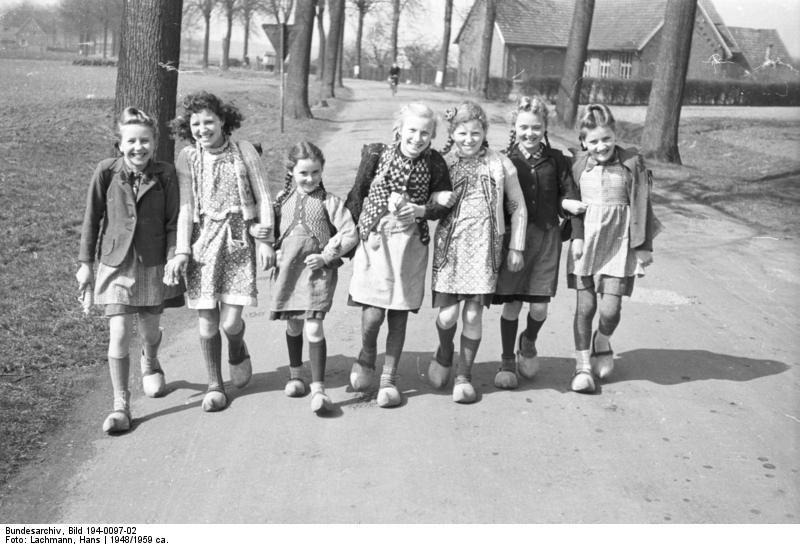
<point>699,424</point>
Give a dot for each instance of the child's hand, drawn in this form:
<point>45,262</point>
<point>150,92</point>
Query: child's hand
<point>644,257</point>
<point>514,260</point>
<point>266,255</point>
<point>445,198</point>
<point>576,248</point>
<point>175,269</point>
<point>315,261</point>
<point>260,231</point>
<point>84,276</point>
<point>573,206</point>
<point>408,212</point>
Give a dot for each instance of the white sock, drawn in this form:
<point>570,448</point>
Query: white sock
<point>317,387</point>
<point>582,361</point>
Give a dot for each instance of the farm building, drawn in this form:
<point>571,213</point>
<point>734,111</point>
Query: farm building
<point>27,36</point>
<point>530,39</point>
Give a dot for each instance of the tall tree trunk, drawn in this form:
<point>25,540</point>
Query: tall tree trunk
<point>246,37</point>
<point>660,134</point>
<point>441,75</point>
<point>105,29</point>
<point>486,49</point>
<point>226,41</point>
<point>395,27</point>
<point>569,90</point>
<point>147,76</point>
<point>359,38</point>
<point>321,39</point>
<point>340,55</point>
<point>300,54</point>
<point>206,38</point>
<point>336,13</point>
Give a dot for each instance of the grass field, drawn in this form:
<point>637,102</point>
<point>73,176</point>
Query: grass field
<point>58,125</point>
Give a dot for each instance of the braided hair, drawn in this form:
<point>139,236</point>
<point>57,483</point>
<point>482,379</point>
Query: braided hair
<point>595,115</point>
<point>464,112</point>
<point>535,105</point>
<point>301,150</point>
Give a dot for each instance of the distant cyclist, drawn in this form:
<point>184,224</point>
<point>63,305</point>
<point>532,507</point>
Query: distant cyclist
<point>394,77</point>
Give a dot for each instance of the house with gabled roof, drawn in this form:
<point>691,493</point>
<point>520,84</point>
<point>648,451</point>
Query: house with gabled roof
<point>27,35</point>
<point>530,39</point>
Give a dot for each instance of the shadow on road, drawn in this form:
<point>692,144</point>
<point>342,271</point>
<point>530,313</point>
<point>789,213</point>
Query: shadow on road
<point>673,367</point>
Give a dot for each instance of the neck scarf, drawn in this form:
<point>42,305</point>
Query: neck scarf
<point>247,201</point>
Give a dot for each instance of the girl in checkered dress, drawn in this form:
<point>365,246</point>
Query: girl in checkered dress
<point>398,188</point>
<point>225,226</point>
<point>469,241</point>
<point>314,231</point>
<point>546,181</point>
<point>611,245</point>
<point>130,225</point>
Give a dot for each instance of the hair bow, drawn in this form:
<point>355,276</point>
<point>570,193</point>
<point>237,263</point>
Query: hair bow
<point>450,113</point>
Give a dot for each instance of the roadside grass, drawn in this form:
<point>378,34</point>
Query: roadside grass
<point>58,125</point>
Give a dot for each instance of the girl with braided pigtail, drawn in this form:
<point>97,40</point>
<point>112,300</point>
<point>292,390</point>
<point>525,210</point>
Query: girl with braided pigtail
<point>550,192</point>
<point>398,188</point>
<point>314,231</point>
<point>468,243</point>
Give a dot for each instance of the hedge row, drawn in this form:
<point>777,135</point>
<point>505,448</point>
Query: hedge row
<point>94,61</point>
<point>637,92</point>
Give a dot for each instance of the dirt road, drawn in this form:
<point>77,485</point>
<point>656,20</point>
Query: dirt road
<point>699,424</point>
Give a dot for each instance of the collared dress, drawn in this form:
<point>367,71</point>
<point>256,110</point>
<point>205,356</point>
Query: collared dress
<point>218,188</point>
<point>313,223</point>
<point>606,242</point>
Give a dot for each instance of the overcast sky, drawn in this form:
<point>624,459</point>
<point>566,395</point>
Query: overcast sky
<point>427,24</point>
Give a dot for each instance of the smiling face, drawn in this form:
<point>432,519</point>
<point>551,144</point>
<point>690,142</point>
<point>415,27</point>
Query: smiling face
<point>600,143</point>
<point>137,144</point>
<point>415,135</point>
<point>530,129</point>
<point>207,129</point>
<point>469,137</point>
<point>307,174</point>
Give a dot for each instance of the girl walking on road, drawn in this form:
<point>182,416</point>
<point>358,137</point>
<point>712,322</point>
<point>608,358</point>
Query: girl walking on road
<point>398,188</point>
<point>469,241</point>
<point>549,191</point>
<point>225,225</point>
<point>314,231</point>
<point>613,243</point>
<point>132,209</point>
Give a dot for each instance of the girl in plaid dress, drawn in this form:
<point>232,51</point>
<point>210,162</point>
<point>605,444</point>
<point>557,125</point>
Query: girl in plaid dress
<point>225,225</point>
<point>131,215</point>
<point>314,231</point>
<point>398,188</point>
<point>468,243</point>
<point>611,245</point>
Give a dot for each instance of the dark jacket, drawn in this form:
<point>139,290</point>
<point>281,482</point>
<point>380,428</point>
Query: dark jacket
<point>370,157</point>
<point>545,184</point>
<point>118,220</point>
<point>644,224</point>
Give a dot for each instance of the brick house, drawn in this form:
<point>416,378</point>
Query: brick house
<point>530,39</point>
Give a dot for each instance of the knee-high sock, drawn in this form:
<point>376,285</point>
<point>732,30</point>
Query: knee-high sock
<point>211,347</point>
<point>444,354</point>
<point>318,354</point>
<point>120,368</point>
<point>395,339</point>
<point>469,347</point>
<point>533,327</point>
<point>294,344</point>
<point>236,350</point>
<point>508,337</point>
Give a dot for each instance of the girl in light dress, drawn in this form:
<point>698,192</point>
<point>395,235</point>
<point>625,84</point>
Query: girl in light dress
<point>469,242</point>
<point>611,245</point>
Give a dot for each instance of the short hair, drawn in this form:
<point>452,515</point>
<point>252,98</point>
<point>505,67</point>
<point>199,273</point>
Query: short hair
<point>230,115</point>
<point>414,109</point>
